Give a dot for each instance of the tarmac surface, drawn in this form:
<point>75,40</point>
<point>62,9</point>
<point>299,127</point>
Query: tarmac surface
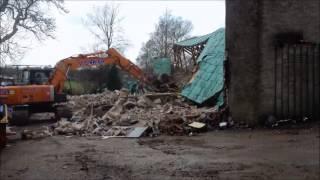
<point>224,154</point>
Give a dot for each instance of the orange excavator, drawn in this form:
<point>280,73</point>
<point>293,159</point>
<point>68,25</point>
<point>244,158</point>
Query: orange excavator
<point>23,100</point>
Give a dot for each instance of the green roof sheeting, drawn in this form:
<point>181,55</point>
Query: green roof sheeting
<point>161,66</point>
<point>208,80</point>
<point>194,41</point>
<point>130,84</point>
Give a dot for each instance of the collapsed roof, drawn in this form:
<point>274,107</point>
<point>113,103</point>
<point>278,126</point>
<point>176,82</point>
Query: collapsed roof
<point>208,81</point>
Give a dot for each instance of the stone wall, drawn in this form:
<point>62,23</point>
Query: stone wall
<point>251,26</point>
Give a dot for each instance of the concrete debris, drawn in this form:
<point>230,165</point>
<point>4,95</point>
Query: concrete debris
<point>118,131</point>
<point>273,122</point>
<point>36,134</point>
<point>119,113</point>
<point>197,125</point>
<point>9,132</point>
<point>172,124</point>
<point>157,101</point>
<point>137,132</point>
<point>223,125</point>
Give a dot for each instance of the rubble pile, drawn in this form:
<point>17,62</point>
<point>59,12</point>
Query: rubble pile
<point>36,134</point>
<point>118,113</point>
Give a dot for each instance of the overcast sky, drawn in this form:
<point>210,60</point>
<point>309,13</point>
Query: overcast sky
<point>139,21</point>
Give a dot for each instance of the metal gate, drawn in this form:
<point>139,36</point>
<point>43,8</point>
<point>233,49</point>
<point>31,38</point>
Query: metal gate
<point>297,81</point>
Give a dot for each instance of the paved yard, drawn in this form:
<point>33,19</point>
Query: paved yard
<point>231,154</point>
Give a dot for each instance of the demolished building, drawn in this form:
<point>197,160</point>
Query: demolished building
<point>207,82</point>
<point>118,113</point>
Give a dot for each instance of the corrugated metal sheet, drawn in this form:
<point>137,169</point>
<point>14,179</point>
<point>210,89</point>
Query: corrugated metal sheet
<point>161,66</point>
<point>130,84</point>
<point>208,80</point>
<point>194,41</point>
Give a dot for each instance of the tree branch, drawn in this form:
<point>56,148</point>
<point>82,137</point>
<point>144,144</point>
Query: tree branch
<point>27,15</point>
<point>17,20</point>
<point>3,5</point>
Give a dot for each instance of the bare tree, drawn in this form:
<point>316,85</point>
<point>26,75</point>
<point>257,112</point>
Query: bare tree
<point>24,16</point>
<point>169,30</point>
<point>147,52</point>
<point>105,24</point>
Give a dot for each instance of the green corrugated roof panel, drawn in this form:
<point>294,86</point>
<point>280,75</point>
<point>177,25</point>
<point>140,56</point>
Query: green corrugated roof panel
<point>214,46</point>
<point>194,41</point>
<point>208,81</point>
<point>130,84</point>
<point>161,66</point>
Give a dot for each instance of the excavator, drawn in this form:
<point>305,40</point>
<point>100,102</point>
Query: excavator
<point>35,97</point>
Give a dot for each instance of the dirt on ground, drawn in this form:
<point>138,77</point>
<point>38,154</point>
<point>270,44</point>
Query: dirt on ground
<point>222,154</point>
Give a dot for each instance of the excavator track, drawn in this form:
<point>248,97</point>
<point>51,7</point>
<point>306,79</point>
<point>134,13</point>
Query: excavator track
<point>3,137</point>
<point>37,97</point>
<point>20,116</point>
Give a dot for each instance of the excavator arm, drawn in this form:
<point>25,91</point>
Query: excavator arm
<point>112,56</point>
<point>27,99</point>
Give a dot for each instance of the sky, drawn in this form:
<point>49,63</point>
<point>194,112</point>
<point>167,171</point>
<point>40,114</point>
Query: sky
<point>140,17</point>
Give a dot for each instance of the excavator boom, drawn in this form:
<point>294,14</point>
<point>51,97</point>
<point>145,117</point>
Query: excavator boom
<point>32,98</point>
<point>112,56</point>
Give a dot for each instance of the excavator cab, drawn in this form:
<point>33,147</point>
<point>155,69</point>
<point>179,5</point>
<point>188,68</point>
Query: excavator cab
<point>35,75</point>
<point>38,91</point>
<point>25,75</point>
<point>6,81</point>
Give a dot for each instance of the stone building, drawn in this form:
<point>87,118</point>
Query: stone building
<point>272,48</point>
